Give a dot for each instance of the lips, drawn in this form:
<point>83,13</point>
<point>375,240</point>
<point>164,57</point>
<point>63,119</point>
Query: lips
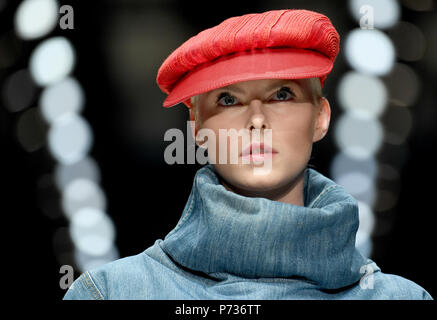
<point>258,151</point>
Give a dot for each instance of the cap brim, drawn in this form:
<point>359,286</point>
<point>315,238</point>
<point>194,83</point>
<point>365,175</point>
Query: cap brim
<point>269,63</point>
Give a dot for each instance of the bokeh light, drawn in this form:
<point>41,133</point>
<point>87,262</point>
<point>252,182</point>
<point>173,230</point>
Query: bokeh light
<point>409,41</point>
<point>359,138</point>
<point>87,261</point>
<point>369,51</point>
<point>36,18</point>
<point>62,98</point>
<point>92,231</point>
<point>385,12</point>
<point>18,91</point>
<point>402,84</point>
<point>70,138</point>
<point>365,229</point>
<point>85,168</point>
<point>355,182</point>
<point>343,163</point>
<point>397,124</point>
<point>363,95</point>
<point>52,60</point>
<point>82,193</point>
<point>31,130</point>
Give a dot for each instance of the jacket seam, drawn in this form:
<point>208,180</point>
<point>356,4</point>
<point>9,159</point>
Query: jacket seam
<point>317,200</point>
<point>91,286</point>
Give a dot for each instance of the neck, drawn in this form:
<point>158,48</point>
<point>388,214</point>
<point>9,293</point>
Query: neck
<point>291,192</point>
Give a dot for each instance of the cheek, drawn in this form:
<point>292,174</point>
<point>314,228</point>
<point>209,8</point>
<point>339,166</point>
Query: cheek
<point>294,133</point>
<point>218,143</point>
<point>297,124</point>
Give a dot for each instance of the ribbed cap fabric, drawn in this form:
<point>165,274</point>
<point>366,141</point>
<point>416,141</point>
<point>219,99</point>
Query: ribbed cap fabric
<point>290,28</point>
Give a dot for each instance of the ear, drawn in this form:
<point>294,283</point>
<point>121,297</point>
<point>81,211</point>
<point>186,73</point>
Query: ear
<point>323,118</point>
<point>194,126</point>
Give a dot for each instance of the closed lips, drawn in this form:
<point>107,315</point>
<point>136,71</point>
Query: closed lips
<point>257,148</point>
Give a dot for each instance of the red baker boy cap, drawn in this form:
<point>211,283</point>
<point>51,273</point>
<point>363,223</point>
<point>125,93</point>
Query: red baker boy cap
<point>278,44</point>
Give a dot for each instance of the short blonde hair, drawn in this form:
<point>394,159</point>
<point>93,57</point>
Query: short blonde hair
<point>316,92</point>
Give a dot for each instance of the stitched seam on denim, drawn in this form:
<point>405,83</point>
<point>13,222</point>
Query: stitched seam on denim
<point>91,286</point>
<point>317,200</point>
<point>178,271</point>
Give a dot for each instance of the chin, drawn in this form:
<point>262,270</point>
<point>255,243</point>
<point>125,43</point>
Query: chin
<point>263,179</point>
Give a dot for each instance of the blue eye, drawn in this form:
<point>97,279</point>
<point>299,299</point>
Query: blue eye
<point>225,99</point>
<point>283,94</point>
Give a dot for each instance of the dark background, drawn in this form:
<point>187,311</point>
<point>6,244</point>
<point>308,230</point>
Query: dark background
<point>119,46</point>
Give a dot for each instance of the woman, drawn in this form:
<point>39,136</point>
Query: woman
<point>251,230</point>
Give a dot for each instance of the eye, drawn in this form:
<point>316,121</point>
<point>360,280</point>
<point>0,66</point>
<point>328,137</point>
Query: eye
<point>225,99</point>
<point>283,94</point>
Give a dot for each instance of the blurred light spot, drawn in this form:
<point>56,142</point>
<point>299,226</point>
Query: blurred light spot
<point>70,139</point>
<point>395,154</point>
<point>365,96</point>
<point>355,182</point>
<point>385,12</point>
<point>343,163</point>
<point>366,216</point>
<point>367,222</point>
<point>409,41</point>
<point>87,262</point>
<point>369,51</point>
<point>388,172</point>
<point>359,185</point>
<point>31,130</point>
<point>61,98</point>
<point>368,196</point>
<point>386,200</point>
<point>397,124</point>
<point>403,85</point>
<point>18,91</point>
<point>364,245</point>
<point>359,138</point>
<point>85,168</point>
<point>35,18</point>
<point>52,60</point>
<point>419,5</point>
<point>82,193</point>
<point>92,231</point>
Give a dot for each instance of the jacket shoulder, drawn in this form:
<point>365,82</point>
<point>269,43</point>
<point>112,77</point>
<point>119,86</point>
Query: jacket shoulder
<point>399,288</point>
<point>117,276</point>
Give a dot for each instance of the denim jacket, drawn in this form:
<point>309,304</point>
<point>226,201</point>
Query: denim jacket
<point>227,246</point>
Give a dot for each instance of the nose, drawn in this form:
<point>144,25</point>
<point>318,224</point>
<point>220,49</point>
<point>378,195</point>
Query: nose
<point>257,119</point>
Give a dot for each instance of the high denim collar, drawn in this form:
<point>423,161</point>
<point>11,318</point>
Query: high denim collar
<point>222,233</point>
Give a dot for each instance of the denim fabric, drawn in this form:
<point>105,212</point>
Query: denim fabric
<point>227,246</point>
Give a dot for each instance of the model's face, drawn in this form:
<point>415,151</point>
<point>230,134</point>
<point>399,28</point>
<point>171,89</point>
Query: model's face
<point>284,106</point>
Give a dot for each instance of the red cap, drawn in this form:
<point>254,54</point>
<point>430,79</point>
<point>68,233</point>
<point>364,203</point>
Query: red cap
<point>278,44</point>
